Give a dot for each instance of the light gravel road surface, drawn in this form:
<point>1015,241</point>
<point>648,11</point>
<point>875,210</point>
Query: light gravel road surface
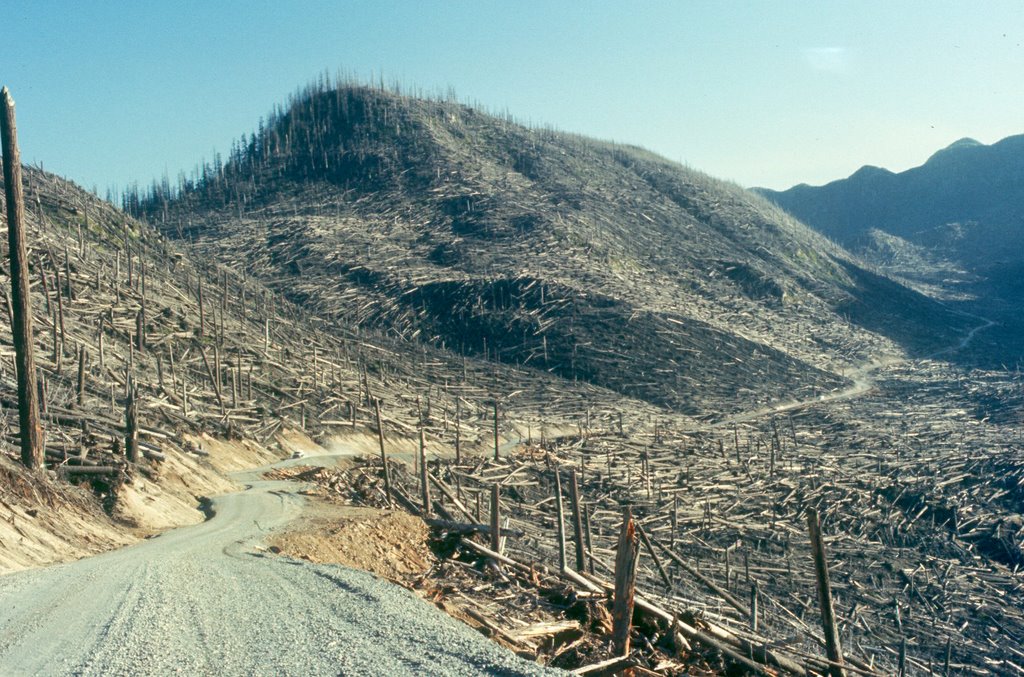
<point>206,600</point>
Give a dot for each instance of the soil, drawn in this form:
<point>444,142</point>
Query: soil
<point>391,544</point>
<point>44,520</point>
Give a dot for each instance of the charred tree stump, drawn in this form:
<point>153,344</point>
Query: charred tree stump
<point>81,374</point>
<point>140,331</point>
<point>67,274</point>
<point>496,518</point>
<point>131,424</point>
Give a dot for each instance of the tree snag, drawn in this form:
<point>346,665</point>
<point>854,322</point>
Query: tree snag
<point>32,441</point>
<point>828,614</point>
<point>625,584</point>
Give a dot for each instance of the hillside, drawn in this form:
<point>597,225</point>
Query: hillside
<point>652,338</point>
<point>955,224</point>
<point>965,201</point>
<point>437,223</point>
<point>222,357</point>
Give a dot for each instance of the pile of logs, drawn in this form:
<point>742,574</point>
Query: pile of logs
<point>722,519</point>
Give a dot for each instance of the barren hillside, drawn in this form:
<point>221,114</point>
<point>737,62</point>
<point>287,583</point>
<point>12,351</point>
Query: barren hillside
<point>652,338</point>
<point>437,223</point>
<point>220,356</point>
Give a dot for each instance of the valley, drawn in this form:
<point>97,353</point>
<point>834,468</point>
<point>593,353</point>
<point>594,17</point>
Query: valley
<point>925,536</point>
<point>950,227</point>
<point>506,311</point>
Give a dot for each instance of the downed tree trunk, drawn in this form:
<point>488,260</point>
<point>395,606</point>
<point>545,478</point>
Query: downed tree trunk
<point>91,469</point>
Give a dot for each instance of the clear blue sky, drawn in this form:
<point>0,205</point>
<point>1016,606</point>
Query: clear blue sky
<point>763,93</point>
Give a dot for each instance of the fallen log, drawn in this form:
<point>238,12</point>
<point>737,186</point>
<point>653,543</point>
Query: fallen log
<point>91,469</point>
<point>154,455</point>
<point>471,527</point>
<point>612,666</point>
<point>689,632</point>
<point>711,585</point>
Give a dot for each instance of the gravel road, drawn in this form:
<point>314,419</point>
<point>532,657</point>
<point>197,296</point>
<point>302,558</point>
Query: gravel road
<point>206,600</point>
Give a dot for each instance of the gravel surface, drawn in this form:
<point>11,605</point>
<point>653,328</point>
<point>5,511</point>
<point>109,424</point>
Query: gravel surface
<point>207,600</point>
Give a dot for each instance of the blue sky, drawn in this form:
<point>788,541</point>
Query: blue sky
<point>762,93</point>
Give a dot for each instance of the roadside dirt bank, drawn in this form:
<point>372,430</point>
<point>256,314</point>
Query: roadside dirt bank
<point>46,520</point>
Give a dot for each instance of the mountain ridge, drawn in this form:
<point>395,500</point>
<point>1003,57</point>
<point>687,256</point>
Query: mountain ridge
<point>951,176</point>
<point>956,220</point>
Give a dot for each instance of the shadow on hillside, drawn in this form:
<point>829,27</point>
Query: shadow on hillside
<point>922,326</point>
<point>999,347</point>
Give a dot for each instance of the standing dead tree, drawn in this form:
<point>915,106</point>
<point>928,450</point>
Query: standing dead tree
<point>828,614</point>
<point>131,423</point>
<point>626,557</point>
<point>32,441</point>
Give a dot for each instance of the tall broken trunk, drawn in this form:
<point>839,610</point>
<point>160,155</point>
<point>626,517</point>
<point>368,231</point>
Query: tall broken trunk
<point>131,423</point>
<point>833,648</point>
<point>32,441</point>
<point>626,558</point>
<point>383,454</point>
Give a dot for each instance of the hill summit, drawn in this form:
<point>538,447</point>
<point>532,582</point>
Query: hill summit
<point>433,221</point>
<point>957,145</point>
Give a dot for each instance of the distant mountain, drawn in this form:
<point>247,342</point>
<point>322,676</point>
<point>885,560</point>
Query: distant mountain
<point>964,207</point>
<point>433,221</point>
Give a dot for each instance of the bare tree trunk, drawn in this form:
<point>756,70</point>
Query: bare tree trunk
<point>81,374</point>
<point>67,274</point>
<point>496,448</point>
<point>560,516</point>
<point>496,518</point>
<point>131,424</point>
<point>458,431</point>
<point>140,330</point>
<point>32,440</point>
<point>383,454</point>
<point>577,521</point>
<point>625,584</point>
<point>202,313</point>
<point>424,484</point>
<point>828,614</point>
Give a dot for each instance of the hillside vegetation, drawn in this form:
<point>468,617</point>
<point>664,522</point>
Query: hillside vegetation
<point>435,222</point>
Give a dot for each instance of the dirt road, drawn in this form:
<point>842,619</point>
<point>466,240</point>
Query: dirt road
<point>208,600</point>
<point>862,382</point>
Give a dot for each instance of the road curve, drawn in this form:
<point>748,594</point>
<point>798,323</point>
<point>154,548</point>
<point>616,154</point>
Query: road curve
<point>861,377</point>
<point>205,600</point>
